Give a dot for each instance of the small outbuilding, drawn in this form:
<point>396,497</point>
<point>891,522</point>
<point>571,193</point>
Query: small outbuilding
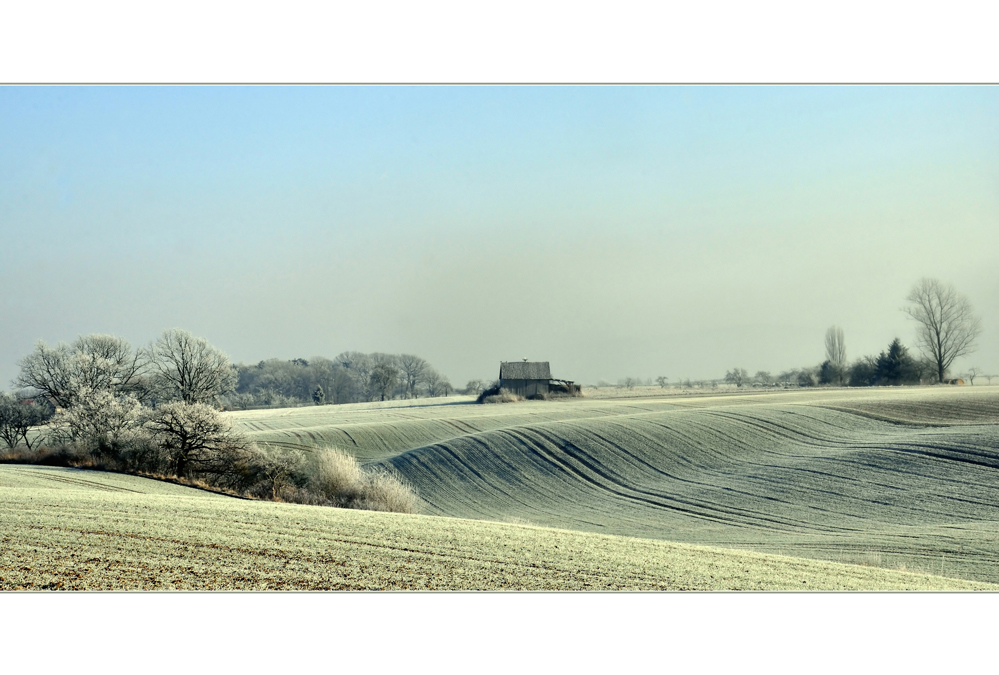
<point>532,378</point>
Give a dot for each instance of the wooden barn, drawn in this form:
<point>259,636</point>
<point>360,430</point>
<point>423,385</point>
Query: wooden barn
<point>532,378</point>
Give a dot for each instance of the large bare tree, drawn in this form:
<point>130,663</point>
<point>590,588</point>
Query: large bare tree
<point>196,438</point>
<point>383,379</point>
<point>947,327</point>
<point>189,368</point>
<point>413,370</point>
<point>92,363</point>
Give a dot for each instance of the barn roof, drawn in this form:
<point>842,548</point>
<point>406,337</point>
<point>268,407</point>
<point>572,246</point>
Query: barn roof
<point>525,370</point>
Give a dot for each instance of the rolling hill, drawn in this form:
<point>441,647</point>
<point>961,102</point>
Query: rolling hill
<point>76,529</point>
<point>897,478</point>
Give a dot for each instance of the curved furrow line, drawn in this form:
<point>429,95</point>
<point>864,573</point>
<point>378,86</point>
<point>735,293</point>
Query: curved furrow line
<point>622,451</point>
<point>866,502</point>
<point>462,428</point>
<point>893,469</point>
<point>927,448</point>
<point>655,498</point>
<point>505,480</point>
<point>458,466</point>
<point>727,489</point>
<point>771,428</point>
<point>550,436</point>
<point>603,486</point>
<point>83,483</point>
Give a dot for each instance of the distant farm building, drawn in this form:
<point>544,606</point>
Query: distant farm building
<point>532,378</point>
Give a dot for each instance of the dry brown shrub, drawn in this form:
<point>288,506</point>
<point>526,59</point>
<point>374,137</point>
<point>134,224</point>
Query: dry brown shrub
<point>338,474</point>
<point>341,481</point>
<point>503,396</point>
<point>386,492</point>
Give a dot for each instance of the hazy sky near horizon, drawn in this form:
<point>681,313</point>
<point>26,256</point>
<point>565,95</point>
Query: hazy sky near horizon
<point>613,231</point>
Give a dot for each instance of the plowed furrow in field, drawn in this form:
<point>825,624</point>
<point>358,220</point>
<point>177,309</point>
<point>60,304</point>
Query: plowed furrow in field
<point>629,483</point>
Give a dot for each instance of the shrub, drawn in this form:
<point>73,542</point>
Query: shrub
<point>276,476</point>
<point>495,394</point>
<point>340,480</point>
<point>386,492</point>
<point>863,372</point>
<point>338,475</point>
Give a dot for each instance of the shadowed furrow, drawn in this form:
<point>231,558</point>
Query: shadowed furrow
<point>765,477</point>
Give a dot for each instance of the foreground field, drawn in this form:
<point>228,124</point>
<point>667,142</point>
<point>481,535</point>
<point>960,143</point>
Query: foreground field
<point>74,529</point>
<point>901,478</point>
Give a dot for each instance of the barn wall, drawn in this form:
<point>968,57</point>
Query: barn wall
<point>525,387</point>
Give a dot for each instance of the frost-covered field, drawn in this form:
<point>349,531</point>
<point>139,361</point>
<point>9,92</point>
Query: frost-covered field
<point>73,529</point>
<point>903,478</point>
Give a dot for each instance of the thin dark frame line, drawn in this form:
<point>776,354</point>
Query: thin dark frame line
<point>501,84</point>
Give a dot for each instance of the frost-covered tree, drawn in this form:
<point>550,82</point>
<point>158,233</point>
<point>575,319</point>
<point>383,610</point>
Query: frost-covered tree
<point>437,384</point>
<point>100,421</point>
<point>91,363</point>
<point>834,369</point>
<point>836,347</point>
<point>196,438</point>
<point>189,369</point>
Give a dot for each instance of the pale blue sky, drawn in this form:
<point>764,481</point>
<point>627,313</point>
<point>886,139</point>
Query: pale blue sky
<point>613,231</point>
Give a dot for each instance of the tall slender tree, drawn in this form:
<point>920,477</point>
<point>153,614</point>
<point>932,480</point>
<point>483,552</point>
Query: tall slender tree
<point>835,347</point>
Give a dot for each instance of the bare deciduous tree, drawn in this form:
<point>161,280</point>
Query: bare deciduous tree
<point>196,438</point>
<point>737,376</point>
<point>974,372</point>
<point>383,379</point>
<point>947,327</point>
<point>18,416</point>
<point>475,387</point>
<point>189,368</point>
<point>92,363</point>
<point>662,380</point>
<point>413,370</point>
<point>437,384</point>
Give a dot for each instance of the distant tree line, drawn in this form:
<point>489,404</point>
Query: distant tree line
<point>946,329</point>
<point>350,377</point>
<point>97,402</point>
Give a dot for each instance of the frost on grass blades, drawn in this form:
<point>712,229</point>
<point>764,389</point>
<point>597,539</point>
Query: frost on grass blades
<point>70,529</point>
